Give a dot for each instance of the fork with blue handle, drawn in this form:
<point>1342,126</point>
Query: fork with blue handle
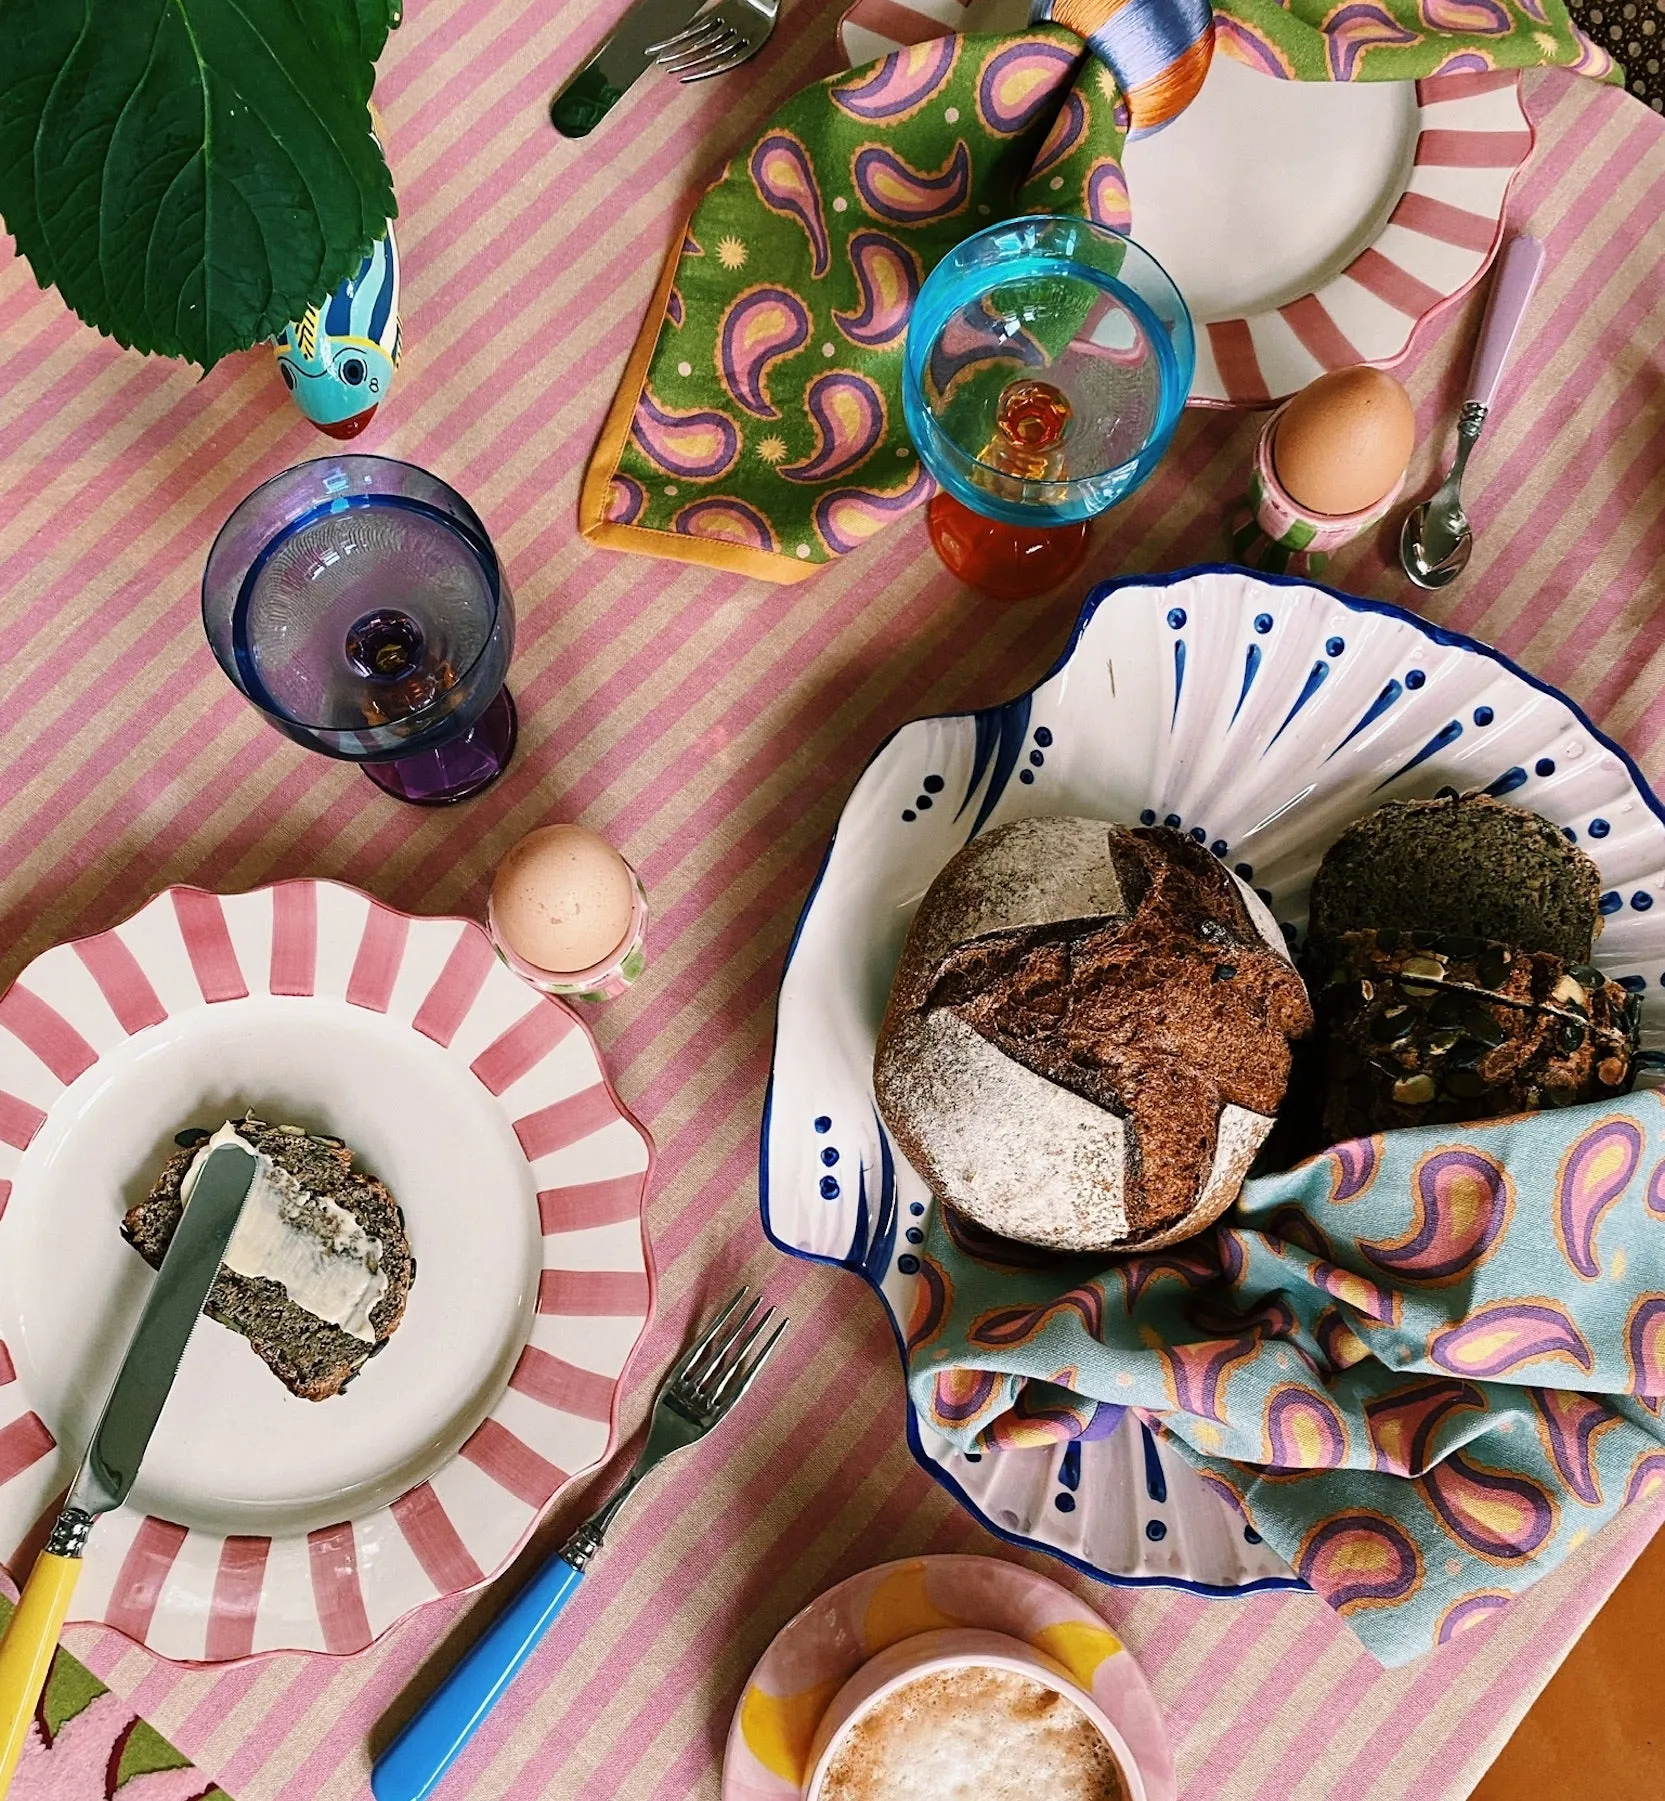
<point>706,1383</point>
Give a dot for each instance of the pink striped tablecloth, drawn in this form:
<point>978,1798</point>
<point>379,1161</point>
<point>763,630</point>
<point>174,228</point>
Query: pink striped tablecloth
<point>713,727</point>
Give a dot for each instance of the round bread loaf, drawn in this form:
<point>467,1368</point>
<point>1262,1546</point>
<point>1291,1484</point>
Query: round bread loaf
<point>1088,1034</point>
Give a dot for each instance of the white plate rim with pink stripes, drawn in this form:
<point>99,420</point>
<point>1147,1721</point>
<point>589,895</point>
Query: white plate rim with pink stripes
<point>1424,230</point>
<point>261,1522</point>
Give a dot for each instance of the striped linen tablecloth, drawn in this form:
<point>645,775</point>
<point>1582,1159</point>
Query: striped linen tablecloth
<point>713,727</point>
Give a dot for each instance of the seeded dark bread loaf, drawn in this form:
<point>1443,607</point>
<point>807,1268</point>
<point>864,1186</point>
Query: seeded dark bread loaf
<point>1422,1030</point>
<point>1463,867</point>
<point>311,1357</point>
<point>1088,1035</point>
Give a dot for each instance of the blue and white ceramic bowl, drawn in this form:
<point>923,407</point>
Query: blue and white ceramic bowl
<point>1262,716</point>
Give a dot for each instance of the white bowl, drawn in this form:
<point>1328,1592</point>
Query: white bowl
<point>1262,715</point>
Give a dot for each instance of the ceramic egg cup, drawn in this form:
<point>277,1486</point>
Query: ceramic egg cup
<point>1274,532</point>
<point>603,981</point>
<point>938,1653</point>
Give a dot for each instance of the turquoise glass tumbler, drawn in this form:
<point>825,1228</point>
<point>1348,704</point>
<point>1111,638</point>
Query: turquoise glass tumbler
<point>1048,360</point>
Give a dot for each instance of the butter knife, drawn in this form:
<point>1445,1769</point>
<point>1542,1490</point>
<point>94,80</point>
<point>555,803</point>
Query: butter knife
<point>598,87</point>
<point>122,1436</point>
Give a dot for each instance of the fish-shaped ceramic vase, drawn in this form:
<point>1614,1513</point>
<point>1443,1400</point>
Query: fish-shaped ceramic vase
<point>337,359</point>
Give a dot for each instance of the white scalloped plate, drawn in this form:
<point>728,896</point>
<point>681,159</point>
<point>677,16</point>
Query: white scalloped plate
<point>1310,225</point>
<point>261,1522</point>
<point>1263,716</point>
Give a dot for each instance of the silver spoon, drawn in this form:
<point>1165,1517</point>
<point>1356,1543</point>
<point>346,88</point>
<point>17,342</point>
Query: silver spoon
<point>1436,540</point>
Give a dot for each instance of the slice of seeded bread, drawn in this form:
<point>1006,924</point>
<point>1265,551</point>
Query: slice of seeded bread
<point>1472,867</point>
<point>308,1355</point>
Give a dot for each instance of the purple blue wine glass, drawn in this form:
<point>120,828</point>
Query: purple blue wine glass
<point>358,603</point>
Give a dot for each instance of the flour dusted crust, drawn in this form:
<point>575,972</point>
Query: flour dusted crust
<point>1087,1037</point>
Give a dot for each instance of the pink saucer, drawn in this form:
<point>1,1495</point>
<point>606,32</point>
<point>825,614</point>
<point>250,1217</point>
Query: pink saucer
<point>814,1654</point>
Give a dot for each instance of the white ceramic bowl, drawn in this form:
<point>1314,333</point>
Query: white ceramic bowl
<point>934,1653</point>
<point>1263,716</point>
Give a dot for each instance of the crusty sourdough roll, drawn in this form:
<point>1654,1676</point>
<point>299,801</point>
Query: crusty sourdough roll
<point>1088,1034</point>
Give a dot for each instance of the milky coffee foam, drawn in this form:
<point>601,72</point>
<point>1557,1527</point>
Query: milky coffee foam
<point>974,1734</point>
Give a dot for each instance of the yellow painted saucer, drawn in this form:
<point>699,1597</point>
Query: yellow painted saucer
<point>813,1655</point>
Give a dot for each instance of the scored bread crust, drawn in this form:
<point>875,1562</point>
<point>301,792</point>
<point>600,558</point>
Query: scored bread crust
<point>311,1357</point>
<point>1087,1037</point>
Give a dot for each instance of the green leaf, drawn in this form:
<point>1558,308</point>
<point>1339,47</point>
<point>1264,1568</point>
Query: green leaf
<point>191,174</point>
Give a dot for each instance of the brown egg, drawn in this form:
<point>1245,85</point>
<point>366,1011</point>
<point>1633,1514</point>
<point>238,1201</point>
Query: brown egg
<point>1344,441</point>
<point>562,898</point>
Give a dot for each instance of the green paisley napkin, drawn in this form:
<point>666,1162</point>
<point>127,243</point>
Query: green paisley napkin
<point>1424,1365</point>
<point>759,424</point>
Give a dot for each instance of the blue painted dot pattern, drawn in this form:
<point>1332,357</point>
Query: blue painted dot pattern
<point>1148,816</point>
<point>1065,1503</point>
<point>1246,871</point>
<point>914,1235</point>
<point>923,803</point>
<point>916,1208</point>
<point>908,815</point>
<point>1483,715</point>
<point>1415,678</point>
<point>1599,828</point>
<point>1027,777</point>
<point>1155,1531</point>
<point>1043,736</point>
<point>1219,847</point>
<point>1250,1536</point>
<point>932,784</point>
<point>1176,617</point>
<point>829,1188</point>
<point>1263,623</point>
<point>909,1265</point>
<point>1610,902</point>
<point>1641,900</point>
<point>1037,758</point>
<point>1335,646</point>
<point>829,1156</point>
<point>1544,766</point>
<point>823,1125</point>
<point>1174,820</point>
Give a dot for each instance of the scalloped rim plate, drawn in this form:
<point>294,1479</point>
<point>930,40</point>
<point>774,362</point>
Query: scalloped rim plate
<point>1341,227</point>
<point>261,1522</point>
<point>1262,715</point>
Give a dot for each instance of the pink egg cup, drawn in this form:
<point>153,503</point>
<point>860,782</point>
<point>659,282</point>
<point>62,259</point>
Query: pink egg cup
<point>1280,534</point>
<point>953,1648</point>
<point>603,981</point>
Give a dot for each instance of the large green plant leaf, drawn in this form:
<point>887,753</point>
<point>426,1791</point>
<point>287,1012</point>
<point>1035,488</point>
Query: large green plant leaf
<point>191,174</point>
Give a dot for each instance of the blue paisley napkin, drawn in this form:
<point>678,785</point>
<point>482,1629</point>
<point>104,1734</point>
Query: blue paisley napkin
<point>1424,1365</point>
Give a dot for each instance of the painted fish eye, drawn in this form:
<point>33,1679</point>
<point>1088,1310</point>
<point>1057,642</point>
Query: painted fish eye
<point>288,375</point>
<point>353,371</point>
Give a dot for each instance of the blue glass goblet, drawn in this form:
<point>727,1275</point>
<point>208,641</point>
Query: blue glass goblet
<point>1048,360</point>
<point>358,603</point>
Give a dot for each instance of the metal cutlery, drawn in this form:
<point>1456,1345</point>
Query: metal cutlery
<point>629,52</point>
<point>122,1435</point>
<point>1436,540</point>
<point>701,1389</point>
<point>731,33</point>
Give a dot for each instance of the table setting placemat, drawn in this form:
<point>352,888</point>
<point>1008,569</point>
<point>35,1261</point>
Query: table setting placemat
<point>712,725</point>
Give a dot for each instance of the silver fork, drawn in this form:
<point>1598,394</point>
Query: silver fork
<point>722,38</point>
<point>706,1382</point>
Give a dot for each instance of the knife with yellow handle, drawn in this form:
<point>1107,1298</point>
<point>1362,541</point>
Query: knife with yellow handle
<point>220,1186</point>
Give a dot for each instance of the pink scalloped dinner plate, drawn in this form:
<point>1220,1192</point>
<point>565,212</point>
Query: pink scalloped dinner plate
<point>1310,225</point>
<point>261,1522</point>
<point>815,1654</point>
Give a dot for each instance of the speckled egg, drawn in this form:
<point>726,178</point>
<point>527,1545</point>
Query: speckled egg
<point>562,898</point>
<point>1343,443</point>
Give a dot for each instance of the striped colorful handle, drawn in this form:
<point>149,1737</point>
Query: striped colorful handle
<point>27,1651</point>
<point>435,1737</point>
